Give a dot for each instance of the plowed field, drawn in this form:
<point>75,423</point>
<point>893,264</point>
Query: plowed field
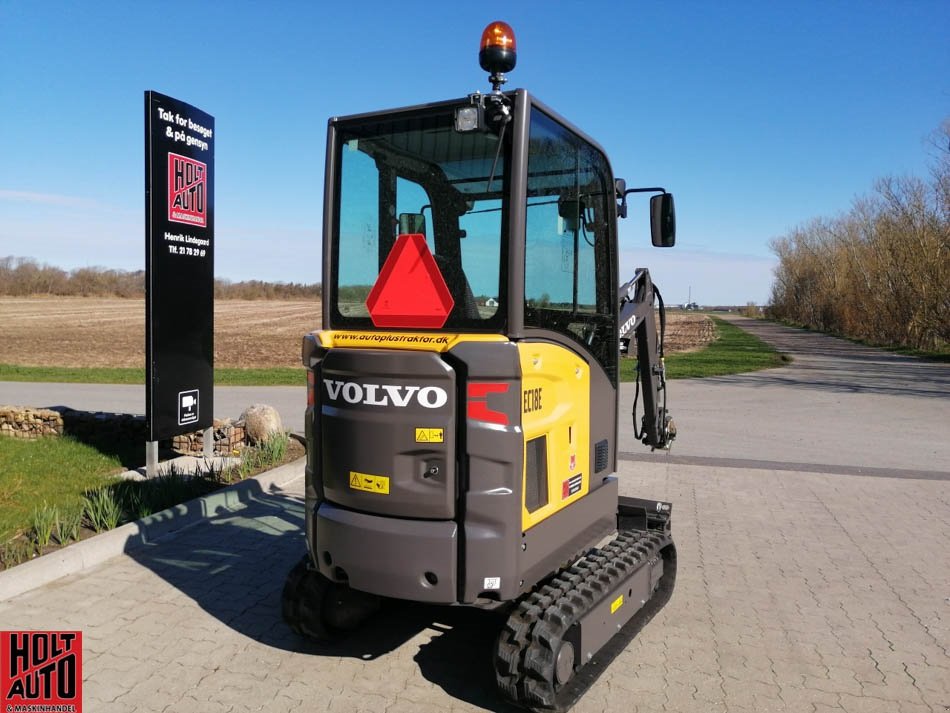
<point>92,331</point>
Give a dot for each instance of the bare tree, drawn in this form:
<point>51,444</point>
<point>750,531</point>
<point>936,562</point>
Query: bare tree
<point>880,271</point>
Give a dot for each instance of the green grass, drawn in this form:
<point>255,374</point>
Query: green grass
<point>259,457</point>
<point>278,376</point>
<point>50,487</point>
<point>733,352</point>
<point>48,471</point>
<point>942,355</point>
<point>44,523</point>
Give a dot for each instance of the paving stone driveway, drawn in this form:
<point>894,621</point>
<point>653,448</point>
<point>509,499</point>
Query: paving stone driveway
<point>796,592</point>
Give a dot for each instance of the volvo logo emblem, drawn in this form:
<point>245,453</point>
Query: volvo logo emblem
<point>385,394</point>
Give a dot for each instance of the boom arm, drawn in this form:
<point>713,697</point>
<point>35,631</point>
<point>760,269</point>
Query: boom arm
<point>636,316</point>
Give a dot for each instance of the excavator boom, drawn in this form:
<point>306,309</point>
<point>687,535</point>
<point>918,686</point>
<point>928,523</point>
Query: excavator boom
<point>637,317</point>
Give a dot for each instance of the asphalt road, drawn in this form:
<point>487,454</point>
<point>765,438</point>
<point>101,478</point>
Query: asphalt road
<point>229,401</point>
<point>811,515</point>
<point>838,406</point>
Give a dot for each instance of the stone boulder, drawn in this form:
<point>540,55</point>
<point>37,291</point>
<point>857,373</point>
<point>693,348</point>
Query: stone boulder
<point>261,422</point>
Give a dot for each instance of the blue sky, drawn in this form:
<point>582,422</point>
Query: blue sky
<point>757,116</point>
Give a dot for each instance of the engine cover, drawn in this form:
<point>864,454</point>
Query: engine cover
<point>388,428</point>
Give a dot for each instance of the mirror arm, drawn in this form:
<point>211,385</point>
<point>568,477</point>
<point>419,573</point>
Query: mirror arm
<point>622,208</point>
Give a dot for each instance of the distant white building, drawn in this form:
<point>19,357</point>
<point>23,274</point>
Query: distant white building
<point>491,302</point>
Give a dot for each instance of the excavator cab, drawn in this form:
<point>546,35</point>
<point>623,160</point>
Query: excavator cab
<point>462,396</point>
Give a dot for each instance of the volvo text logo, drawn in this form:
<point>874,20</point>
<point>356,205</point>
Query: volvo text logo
<point>385,394</point>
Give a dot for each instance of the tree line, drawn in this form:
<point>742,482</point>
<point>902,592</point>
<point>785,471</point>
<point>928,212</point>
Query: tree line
<point>25,277</point>
<point>879,272</point>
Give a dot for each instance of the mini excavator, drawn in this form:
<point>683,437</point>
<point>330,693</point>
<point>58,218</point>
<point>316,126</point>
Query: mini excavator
<point>462,403</point>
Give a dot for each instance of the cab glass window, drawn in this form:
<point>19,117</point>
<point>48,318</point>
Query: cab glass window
<point>417,174</point>
<point>569,283</point>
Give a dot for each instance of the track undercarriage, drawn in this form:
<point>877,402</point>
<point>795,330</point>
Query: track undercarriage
<point>559,637</point>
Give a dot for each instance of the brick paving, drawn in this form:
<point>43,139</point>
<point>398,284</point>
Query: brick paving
<point>796,592</point>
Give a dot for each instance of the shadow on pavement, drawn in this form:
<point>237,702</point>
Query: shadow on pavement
<point>233,565</point>
<point>927,380</point>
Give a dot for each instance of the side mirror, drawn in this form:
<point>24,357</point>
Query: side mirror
<point>663,221</point>
<point>411,223</point>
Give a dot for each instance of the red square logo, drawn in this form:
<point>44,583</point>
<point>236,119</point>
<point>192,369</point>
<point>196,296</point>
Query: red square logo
<point>41,670</point>
<point>187,191</point>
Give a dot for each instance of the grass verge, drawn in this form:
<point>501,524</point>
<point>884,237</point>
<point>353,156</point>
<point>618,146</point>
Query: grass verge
<point>942,356</point>
<point>277,376</point>
<point>56,490</point>
<point>733,351</point>
<point>49,472</point>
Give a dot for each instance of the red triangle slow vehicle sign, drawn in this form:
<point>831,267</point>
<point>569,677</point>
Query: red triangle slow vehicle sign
<point>410,291</point>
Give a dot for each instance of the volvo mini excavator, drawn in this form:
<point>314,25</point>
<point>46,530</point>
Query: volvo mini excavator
<point>462,407</point>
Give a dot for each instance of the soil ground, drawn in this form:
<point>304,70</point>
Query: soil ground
<point>687,332</point>
<point>110,332</point>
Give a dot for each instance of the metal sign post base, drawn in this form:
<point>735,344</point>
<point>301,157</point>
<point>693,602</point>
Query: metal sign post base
<point>208,442</point>
<point>151,459</point>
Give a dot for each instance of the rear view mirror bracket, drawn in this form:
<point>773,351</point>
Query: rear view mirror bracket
<point>662,212</point>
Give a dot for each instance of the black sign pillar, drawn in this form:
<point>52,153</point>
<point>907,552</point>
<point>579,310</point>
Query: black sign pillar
<point>179,270</point>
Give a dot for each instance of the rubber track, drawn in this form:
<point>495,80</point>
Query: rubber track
<point>302,602</point>
<point>529,641</point>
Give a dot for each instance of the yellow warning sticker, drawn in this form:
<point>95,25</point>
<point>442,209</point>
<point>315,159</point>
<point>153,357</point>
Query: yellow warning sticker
<point>616,604</point>
<point>430,435</point>
<point>369,483</point>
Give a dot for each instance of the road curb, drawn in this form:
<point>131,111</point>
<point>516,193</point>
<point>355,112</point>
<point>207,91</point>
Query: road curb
<point>134,535</point>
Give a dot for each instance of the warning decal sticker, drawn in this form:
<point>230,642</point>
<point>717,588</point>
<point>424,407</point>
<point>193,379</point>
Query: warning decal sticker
<point>378,484</point>
<point>430,435</point>
<point>572,485</point>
